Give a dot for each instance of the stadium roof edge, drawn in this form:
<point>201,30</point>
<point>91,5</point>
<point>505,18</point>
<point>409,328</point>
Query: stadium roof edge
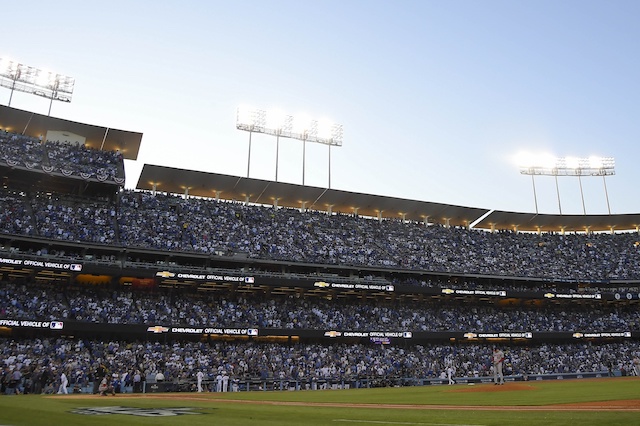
<point>212,185</point>
<point>97,137</point>
<point>242,189</point>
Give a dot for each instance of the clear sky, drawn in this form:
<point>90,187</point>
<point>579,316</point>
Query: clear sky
<point>436,97</point>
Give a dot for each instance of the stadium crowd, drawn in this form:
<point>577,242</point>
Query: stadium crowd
<point>122,306</point>
<point>41,362</point>
<point>173,223</point>
<point>59,156</point>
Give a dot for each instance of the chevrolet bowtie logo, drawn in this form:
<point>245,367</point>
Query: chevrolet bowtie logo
<point>578,335</point>
<point>549,295</point>
<point>165,274</point>
<point>332,333</point>
<point>447,291</point>
<point>157,329</point>
<point>470,335</point>
<point>321,284</point>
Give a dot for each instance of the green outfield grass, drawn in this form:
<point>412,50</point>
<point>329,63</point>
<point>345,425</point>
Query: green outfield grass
<point>381,406</point>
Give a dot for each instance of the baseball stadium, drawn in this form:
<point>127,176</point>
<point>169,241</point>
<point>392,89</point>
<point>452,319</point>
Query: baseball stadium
<point>202,298</point>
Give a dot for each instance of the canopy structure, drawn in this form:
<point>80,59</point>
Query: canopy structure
<point>282,194</point>
<point>242,189</point>
<point>97,137</point>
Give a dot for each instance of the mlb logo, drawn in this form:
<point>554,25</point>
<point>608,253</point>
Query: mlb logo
<point>56,325</point>
<point>76,267</point>
<point>252,332</point>
<point>390,288</point>
<point>407,335</point>
<point>249,280</point>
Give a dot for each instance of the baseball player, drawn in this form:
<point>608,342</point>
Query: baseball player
<point>64,382</point>
<point>200,378</point>
<point>450,372</point>
<point>498,361</point>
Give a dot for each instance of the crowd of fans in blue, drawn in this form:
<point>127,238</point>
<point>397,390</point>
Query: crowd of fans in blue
<point>60,157</point>
<point>175,223</point>
<point>202,309</point>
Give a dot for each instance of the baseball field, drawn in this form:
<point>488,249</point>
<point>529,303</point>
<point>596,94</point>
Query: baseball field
<point>607,401</point>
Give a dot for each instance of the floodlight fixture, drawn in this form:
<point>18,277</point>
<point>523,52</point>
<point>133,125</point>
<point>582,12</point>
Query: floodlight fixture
<point>568,166</point>
<point>278,124</point>
<point>24,78</point>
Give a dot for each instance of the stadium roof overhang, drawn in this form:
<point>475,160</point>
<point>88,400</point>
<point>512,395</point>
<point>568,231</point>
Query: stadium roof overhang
<point>97,137</point>
<point>226,187</point>
<point>532,222</point>
<point>258,191</point>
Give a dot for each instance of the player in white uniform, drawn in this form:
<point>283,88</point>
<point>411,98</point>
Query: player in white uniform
<point>498,361</point>
<point>450,373</point>
<point>636,365</point>
<point>200,378</point>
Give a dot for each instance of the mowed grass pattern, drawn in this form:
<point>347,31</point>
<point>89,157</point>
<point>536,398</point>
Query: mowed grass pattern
<point>467,405</point>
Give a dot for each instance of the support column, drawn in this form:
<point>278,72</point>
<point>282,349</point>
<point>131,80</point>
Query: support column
<point>606,193</point>
<point>584,209</point>
<point>249,154</point>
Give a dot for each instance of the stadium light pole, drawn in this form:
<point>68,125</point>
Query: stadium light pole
<point>276,124</point>
<point>253,120</point>
<point>555,175</point>
<point>535,195</point>
<point>303,126</point>
<point>279,122</point>
<point>27,79</point>
<point>277,153</point>
<point>304,151</point>
<point>571,166</point>
<point>606,193</point>
<point>584,209</point>
<point>249,154</point>
<point>329,166</point>
<point>330,132</point>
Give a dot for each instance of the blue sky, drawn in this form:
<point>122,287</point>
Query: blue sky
<point>436,97</point>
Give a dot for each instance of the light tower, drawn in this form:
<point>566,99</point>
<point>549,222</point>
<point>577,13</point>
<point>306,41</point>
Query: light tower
<point>23,78</point>
<point>568,166</point>
<point>280,125</point>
